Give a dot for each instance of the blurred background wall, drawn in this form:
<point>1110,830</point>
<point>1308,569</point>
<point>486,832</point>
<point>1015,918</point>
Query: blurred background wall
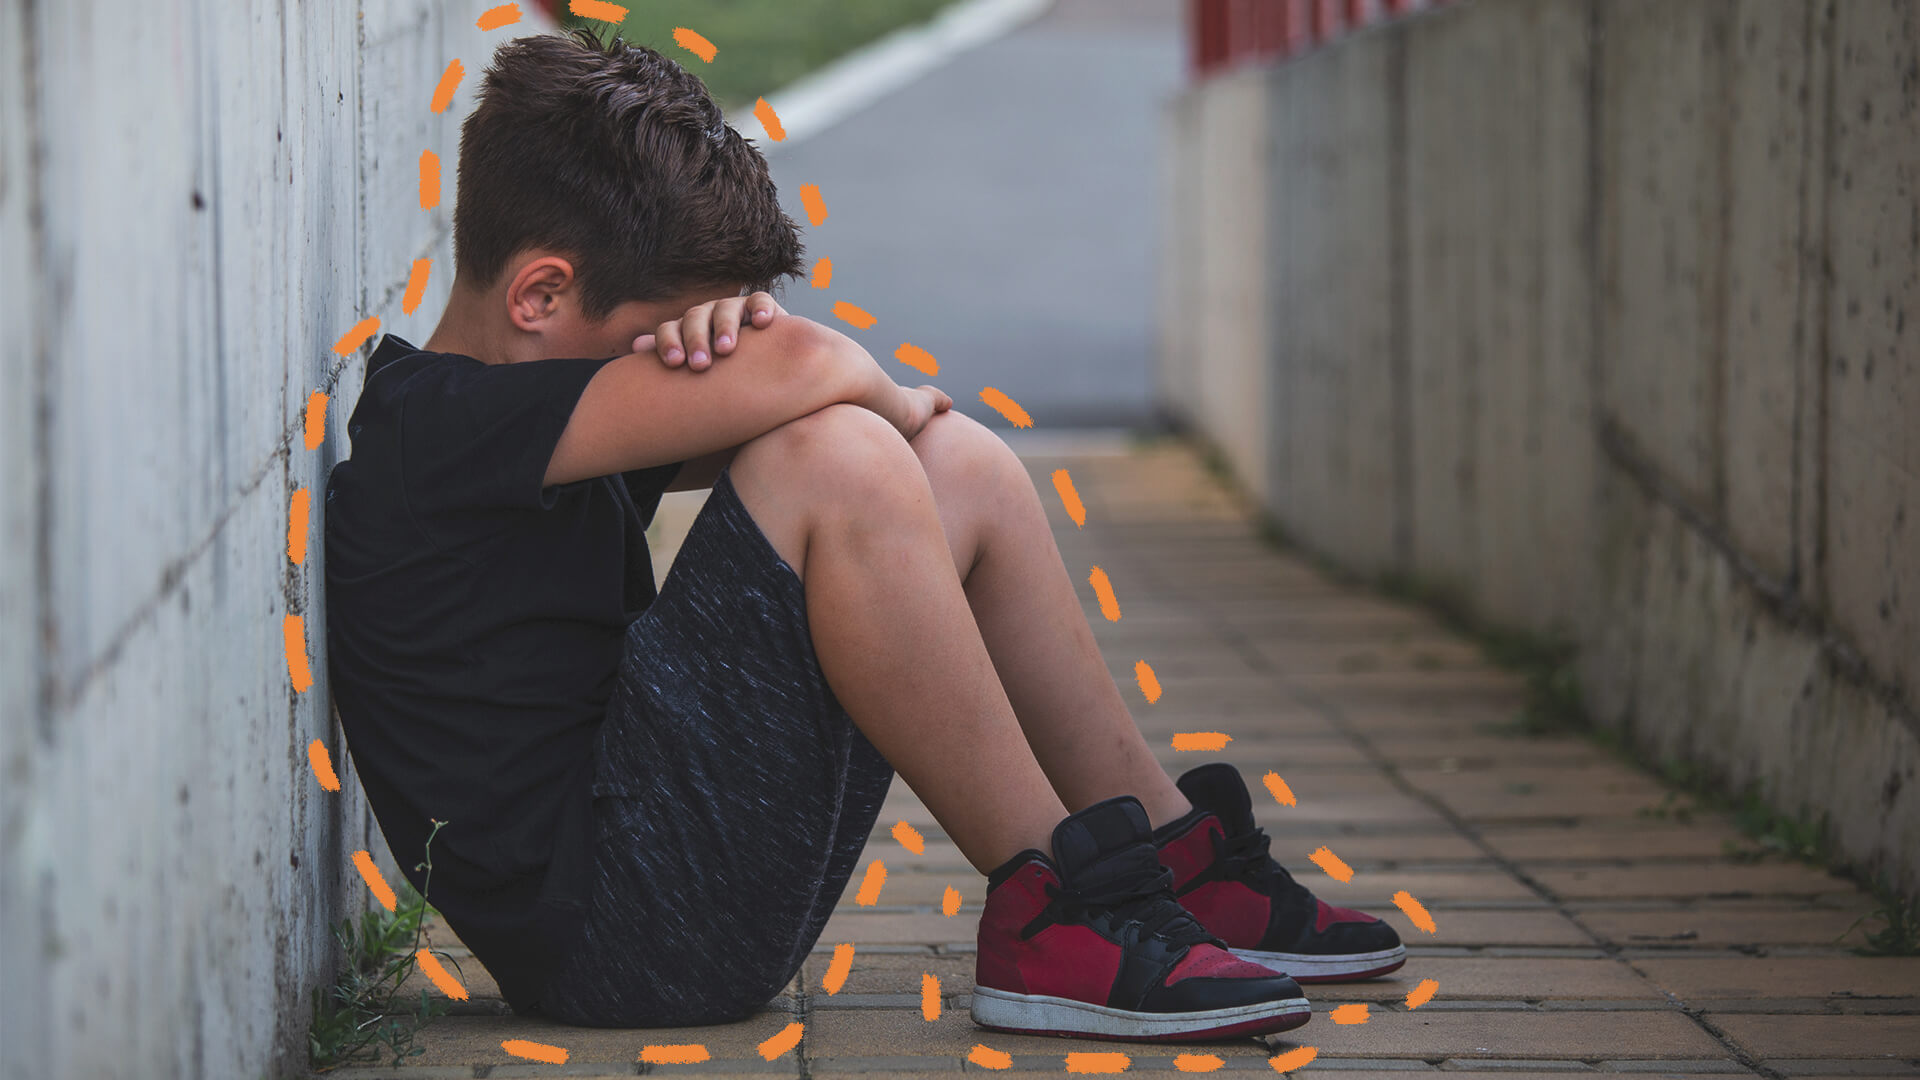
<point>196,201</point>
<point>1594,314</point>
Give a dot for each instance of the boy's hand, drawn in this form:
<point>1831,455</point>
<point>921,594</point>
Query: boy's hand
<point>922,403</point>
<point>708,330</point>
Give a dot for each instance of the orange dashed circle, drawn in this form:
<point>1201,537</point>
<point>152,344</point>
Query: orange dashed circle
<point>981,1055</point>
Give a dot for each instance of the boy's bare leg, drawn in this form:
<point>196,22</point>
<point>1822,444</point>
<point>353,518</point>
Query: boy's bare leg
<point>998,736</point>
<point>844,501</point>
<point>1024,603</point>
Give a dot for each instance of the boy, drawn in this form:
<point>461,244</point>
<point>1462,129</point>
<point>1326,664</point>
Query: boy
<point>654,801</point>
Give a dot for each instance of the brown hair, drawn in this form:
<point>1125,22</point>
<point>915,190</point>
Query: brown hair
<point>615,155</point>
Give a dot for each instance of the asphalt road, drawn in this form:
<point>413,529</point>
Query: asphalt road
<point>1002,212</point>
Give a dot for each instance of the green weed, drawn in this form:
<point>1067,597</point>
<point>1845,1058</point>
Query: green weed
<point>1900,934</point>
<point>360,1013</point>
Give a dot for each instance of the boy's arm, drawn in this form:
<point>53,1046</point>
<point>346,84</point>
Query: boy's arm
<point>637,413</point>
<point>700,473</point>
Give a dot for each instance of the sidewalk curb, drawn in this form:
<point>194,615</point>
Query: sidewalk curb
<point>818,101</point>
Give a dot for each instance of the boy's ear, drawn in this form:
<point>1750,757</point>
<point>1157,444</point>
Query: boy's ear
<point>539,292</point>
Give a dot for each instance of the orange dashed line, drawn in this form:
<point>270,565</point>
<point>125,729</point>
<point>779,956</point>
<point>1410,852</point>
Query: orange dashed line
<point>1197,1062</point>
<point>810,199</point>
<point>858,316</point>
<point>988,1058</point>
<point>688,40</point>
<point>1102,588</point>
<point>297,526</point>
<point>317,414</point>
<point>1415,911</point>
<point>440,976</point>
<point>929,996</point>
<point>1149,683</point>
<point>321,763</point>
<point>1086,1061</point>
<point>294,630</point>
<point>677,1054</point>
<point>909,838</point>
<point>449,82</point>
<point>769,120</point>
<point>950,901</point>
<point>1006,407</point>
<point>1201,740</point>
<point>787,1039</point>
<point>1355,1013</point>
<point>1076,509</point>
<point>533,1051</point>
<point>363,862</point>
<point>1281,792</point>
<point>1422,994</point>
<point>917,358</point>
<point>870,885</point>
<point>1336,868</point>
<point>837,971</point>
<point>357,336</point>
<point>1292,1059</point>
<point>822,273</point>
<point>598,9</point>
<point>429,179</point>
<point>416,285</point>
<point>497,17</point>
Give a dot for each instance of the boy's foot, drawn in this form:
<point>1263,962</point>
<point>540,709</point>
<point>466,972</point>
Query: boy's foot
<point>1093,943</point>
<point>1223,874</point>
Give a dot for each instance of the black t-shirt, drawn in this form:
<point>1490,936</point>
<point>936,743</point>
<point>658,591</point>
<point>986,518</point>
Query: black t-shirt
<point>474,630</point>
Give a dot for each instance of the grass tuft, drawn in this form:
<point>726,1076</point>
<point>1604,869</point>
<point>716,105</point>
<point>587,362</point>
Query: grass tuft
<point>360,1014</point>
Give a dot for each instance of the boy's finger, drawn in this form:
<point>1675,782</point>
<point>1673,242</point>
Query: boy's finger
<point>669,345</point>
<point>763,307</point>
<point>696,332</point>
<point>726,324</point>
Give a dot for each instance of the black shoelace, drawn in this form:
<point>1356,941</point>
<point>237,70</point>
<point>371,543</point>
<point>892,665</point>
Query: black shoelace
<point>1146,902</point>
<point>1243,858</point>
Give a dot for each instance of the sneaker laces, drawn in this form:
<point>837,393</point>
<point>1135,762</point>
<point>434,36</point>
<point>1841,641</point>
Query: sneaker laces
<point>1143,902</point>
<point>1243,858</point>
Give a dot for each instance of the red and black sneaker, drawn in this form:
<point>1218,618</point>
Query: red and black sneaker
<point>1223,874</point>
<point>1092,943</point>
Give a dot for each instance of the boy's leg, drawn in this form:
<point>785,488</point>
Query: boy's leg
<point>847,505</point>
<point>1024,602</point>
<point>883,543</point>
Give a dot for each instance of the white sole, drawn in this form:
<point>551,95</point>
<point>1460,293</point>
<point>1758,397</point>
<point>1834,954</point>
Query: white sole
<point>1042,1013</point>
<point>1302,967</point>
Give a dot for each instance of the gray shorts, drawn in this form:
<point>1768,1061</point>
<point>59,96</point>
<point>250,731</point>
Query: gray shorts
<point>732,795</point>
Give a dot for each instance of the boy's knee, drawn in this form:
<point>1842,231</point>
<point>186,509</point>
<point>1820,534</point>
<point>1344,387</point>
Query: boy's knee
<point>843,449</point>
<point>956,447</point>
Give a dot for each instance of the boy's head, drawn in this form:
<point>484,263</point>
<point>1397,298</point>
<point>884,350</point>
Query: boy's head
<point>597,182</point>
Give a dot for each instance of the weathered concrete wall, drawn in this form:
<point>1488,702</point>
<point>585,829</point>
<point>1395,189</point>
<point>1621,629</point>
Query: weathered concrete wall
<point>1596,312</point>
<point>196,201</point>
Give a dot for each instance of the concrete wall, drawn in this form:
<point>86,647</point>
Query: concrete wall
<point>1597,312</point>
<point>196,201</point>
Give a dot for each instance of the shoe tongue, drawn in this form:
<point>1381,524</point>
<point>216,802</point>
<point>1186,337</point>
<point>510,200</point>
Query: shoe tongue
<point>1109,828</point>
<point>1218,788</point>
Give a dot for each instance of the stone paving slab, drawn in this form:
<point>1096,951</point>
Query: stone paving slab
<point>1723,923</point>
<point>1576,935</point>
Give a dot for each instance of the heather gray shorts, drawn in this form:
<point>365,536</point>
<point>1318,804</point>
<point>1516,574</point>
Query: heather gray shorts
<point>733,795</point>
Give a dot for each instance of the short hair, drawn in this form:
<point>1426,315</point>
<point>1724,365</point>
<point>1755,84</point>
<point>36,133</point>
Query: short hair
<point>616,156</point>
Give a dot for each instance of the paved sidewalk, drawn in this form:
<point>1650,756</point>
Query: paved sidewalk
<point>1574,933</point>
<point>1002,212</point>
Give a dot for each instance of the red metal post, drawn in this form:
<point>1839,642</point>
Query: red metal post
<point>1270,28</point>
<point>1294,26</point>
<point>1207,23</point>
<point>1326,20</point>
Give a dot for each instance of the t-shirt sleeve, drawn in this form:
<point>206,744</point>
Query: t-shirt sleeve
<point>476,439</point>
